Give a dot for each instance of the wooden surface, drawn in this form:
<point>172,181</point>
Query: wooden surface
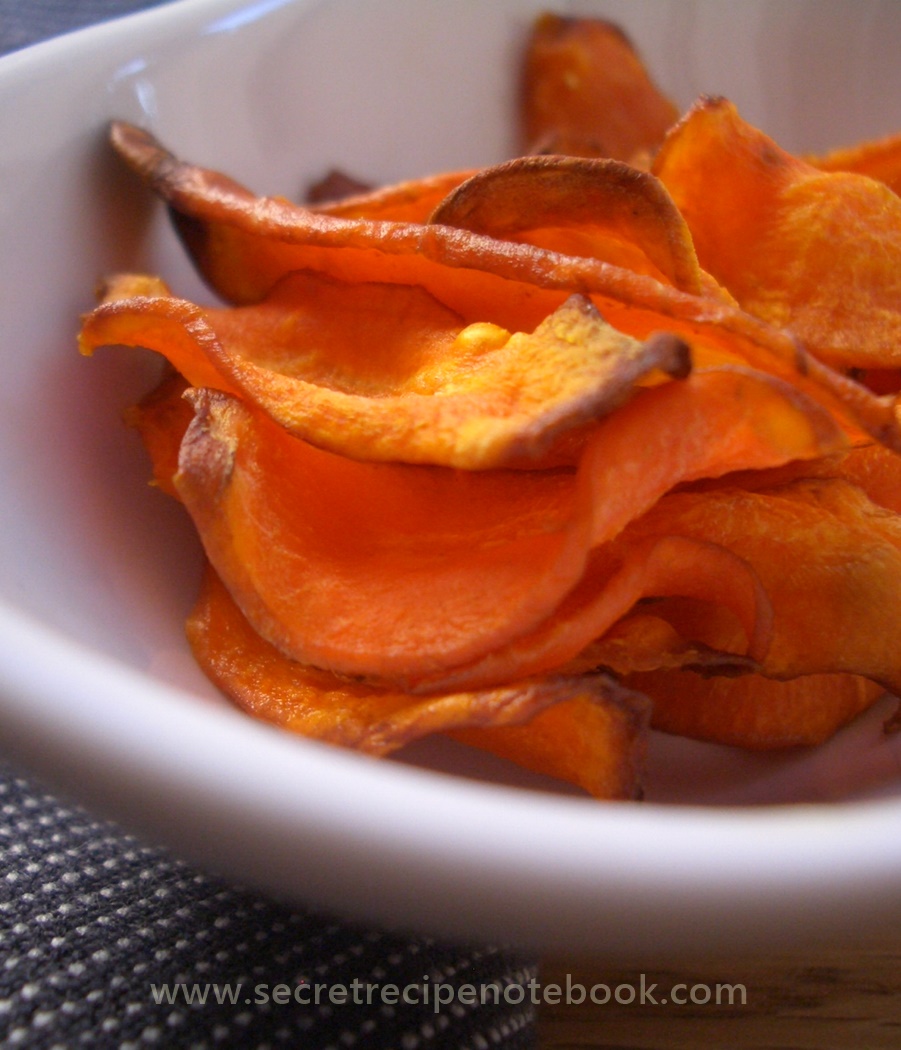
<point>837,1001</point>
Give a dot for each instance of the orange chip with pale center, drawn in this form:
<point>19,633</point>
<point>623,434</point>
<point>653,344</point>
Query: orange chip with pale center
<point>583,729</point>
<point>815,252</point>
<point>586,92</point>
<point>386,372</point>
<point>309,543</point>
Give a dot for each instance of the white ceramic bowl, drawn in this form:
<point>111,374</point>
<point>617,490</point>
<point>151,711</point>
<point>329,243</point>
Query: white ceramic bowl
<point>99,693</point>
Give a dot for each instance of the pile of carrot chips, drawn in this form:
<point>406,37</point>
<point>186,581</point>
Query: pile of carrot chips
<point>539,456</point>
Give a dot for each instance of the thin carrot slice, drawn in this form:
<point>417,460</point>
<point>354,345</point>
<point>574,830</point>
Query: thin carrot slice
<point>385,372</point>
<point>818,253</point>
<point>829,563</point>
<point>713,423</point>
<point>161,418</point>
<point>877,158</point>
<point>602,209</point>
<point>610,588</point>
<point>829,560</point>
<point>244,244</point>
<point>373,568</point>
<point>156,321</point>
<point>754,712</point>
<point>410,201</point>
<point>310,543</point>
<point>583,729</point>
<point>598,746</point>
<point>586,92</point>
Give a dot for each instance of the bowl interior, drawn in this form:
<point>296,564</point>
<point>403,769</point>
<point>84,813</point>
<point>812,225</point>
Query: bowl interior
<point>86,546</point>
<point>275,94</point>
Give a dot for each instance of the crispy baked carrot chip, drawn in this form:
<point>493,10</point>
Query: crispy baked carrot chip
<point>386,372</point>
<point>816,252</point>
<point>585,92</point>
<point>585,729</point>
<point>309,542</point>
<point>829,560</point>
<point>612,586</point>
<point>755,712</point>
<point>878,158</point>
<point>602,209</point>
<point>244,244</point>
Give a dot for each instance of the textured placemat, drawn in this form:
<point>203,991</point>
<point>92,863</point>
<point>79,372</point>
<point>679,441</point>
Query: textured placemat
<point>108,942</point>
<point>24,22</point>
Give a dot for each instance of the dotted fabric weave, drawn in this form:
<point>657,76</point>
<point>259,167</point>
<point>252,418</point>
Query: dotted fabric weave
<point>98,931</point>
<point>24,22</point>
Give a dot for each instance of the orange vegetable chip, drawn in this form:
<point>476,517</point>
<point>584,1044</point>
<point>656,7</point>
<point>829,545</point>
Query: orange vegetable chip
<point>602,209</point>
<point>244,244</point>
<point>584,729</point>
<point>818,253</point>
<point>309,543</point>
<point>386,372</point>
<point>587,93</point>
<point>609,589</point>
<point>879,159</point>
<point>755,712</point>
<point>463,448</point>
<point>829,560</point>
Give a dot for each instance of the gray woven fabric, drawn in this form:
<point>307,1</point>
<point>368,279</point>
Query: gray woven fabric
<point>24,22</point>
<point>108,942</point>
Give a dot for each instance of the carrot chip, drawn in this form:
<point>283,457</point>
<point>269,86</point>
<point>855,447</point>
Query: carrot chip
<point>542,454</point>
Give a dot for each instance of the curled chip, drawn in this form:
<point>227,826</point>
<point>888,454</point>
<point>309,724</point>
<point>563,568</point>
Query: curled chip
<point>541,454</point>
<point>309,542</point>
<point>601,209</point>
<point>387,372</point>
<point>829,560</point>
<point>244,245</point>
<point>586,92</point>
<point>816,252</point>
<point>585,729</point>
